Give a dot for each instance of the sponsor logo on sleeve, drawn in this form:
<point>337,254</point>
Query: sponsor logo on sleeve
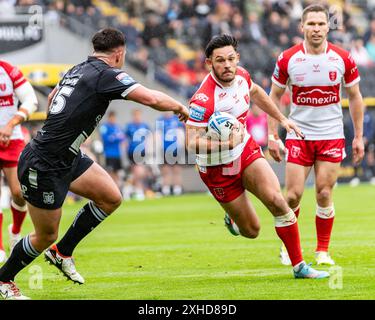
<point>201,97</point>
<point>15,72</point>
<point>197,112</point>
<point>124,78</point>
<point>352,70</point>
<point>276,72</point>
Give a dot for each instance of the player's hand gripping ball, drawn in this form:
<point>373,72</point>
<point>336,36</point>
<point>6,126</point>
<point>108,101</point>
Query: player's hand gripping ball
<point>221,125</point>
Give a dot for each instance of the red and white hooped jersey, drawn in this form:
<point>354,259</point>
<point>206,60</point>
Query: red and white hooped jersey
<point>211,97</point>
<point>10,79</point>
<point>315,82</point>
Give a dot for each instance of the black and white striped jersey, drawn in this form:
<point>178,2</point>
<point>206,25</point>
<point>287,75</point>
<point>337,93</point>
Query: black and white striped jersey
<point>82,98</point>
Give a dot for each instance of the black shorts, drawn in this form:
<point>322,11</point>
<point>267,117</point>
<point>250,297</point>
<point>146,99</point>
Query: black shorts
<point>44,186</point>
<point>113,164</point>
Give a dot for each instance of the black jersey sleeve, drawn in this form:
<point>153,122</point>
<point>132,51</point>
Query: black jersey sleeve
<point>115,84</point>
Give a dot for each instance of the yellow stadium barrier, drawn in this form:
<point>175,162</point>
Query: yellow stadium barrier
<point>44,74</point>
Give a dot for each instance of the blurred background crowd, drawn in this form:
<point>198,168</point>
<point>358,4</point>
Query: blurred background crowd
<point>166,41</point>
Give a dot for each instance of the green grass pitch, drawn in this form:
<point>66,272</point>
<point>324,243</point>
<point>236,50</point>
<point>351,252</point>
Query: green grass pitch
<point>178,248</point>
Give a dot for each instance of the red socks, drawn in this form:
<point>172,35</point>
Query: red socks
<point>19,214</point>
<point>296,211</point>
<point>287,229</point>
<point>324,223</point>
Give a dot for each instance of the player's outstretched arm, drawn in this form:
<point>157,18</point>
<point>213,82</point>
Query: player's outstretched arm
<point>159,101</point>
<point>197,140</point>
<point>356,107</point>
<point>275,145</point>
<point>29,104</point>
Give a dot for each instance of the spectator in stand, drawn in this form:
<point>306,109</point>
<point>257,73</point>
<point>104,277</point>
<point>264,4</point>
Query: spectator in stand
<point>370,31</point>
<point>132,34</point>
<point>202,8</point>
<point>238,28</point>
<point>273,30</point>
<point>256,125</point>
<point>158,7</point>
<point>256,29</point>
<point>187,9</point>
<point>180,72</point>
<point>360,54</point>
<point>113,138</point>
<point>370,47</point>
<point>154,28</point>
<point>137,138</point>
<point>171,137</point>
<point>368,164</point>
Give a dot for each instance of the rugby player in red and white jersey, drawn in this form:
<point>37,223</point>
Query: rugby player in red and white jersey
<point>229,168</point>
<point>13,88</point>
<point>315,72</point>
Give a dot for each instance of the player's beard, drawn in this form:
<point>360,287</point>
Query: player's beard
<point>220,78</point>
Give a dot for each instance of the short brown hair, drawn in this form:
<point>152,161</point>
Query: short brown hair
<point>107,39</point>
<point>220,42</point>
<point>314,8</point>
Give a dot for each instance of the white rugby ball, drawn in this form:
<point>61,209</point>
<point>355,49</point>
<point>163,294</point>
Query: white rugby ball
<point>220,125</point>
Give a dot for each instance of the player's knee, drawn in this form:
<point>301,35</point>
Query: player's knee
<point>324,194</point>
<point>276,202</point>
<point>250,231</point>
<point>111,202</point>
<point>293,198</point>
<point>18,198</point>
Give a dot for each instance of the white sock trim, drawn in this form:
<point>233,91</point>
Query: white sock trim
<point>296,208</point>
<point>296,267</point>
<point>286,220</point>
<point>17,207</point>
<point>325,213</point>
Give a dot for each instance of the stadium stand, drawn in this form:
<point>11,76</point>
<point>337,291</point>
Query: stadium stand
<point>166,38</point>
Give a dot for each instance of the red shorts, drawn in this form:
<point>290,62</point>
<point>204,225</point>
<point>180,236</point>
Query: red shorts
<point>9,155</point>
<point>225,181</point>
<point>305,153</point>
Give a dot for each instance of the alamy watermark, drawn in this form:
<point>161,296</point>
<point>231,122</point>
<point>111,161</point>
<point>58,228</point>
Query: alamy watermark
<point>36,277</point>
<point>336,278</point>
<point>170,147</point>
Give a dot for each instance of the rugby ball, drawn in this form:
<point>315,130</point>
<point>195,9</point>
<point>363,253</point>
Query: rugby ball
<point>220,125</point>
